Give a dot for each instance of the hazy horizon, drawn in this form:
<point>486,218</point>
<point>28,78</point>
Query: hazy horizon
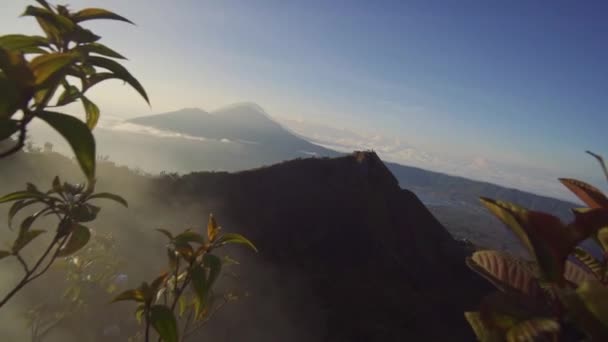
<point>473,87</point>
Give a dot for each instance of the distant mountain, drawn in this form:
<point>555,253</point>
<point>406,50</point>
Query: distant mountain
<point>243,123</point>
<point>243,136</point>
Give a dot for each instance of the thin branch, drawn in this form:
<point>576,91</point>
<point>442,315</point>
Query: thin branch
<point>23,263</point>
<point>27,277</point>
<point>53,258</point>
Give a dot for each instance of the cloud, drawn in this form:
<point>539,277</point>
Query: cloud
<point>482,168</point>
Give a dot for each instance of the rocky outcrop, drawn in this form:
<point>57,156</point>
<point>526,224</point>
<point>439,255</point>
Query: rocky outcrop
<point>382,267</point>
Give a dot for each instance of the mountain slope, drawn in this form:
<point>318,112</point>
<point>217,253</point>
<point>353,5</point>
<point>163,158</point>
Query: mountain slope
<point>383,268</point>
<point>345,254</point>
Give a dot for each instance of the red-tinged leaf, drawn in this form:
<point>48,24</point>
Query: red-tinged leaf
<point>212,228</point>
<point>79,237</point>
<point>589,194</point>
<point>164,322</point>
<point>134,295</point>
<point>545,237</point>
<point>502,269</point>
<point>97,13</point>
<point>587,222</point>
<point>575,274</point>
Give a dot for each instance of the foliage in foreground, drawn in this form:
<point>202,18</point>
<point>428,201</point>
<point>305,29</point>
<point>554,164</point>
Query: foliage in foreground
<point>35,76</point>
<point>181,300</point>
<point>559,295</point>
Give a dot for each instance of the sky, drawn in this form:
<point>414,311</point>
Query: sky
<point>516,84</point>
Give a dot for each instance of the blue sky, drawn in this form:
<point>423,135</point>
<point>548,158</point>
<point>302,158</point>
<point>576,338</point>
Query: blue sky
<point>516,82</point>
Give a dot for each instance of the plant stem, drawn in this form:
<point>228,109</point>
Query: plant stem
<point>28,275</point>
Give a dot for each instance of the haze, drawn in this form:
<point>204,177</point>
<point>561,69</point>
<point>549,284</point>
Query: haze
<point>472,86</point>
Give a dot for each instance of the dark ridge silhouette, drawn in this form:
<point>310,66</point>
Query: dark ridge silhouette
<point>382,266</point>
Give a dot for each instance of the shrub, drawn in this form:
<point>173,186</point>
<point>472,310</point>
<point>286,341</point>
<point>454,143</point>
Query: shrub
<point>561,293</point>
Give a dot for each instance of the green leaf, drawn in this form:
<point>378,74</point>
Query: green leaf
<point>19,195</point>
<point>24,238</point>
<point>69,95</point>
<point>82,36</point>
<point>78,136</point>
<point>52,24</point>
<point>595,297</point>
<point>214,264</point>
<point>120,72</point>
<point>533,330</point>
<point>232,238</point>
<point>165,233</point>
<point>212,228</point>
<point>97,78</point>
<point>9,103</point>
<point>189,236</point>
<point>590,262</point>
<point>8,127</point>
<point>199,283</point>
<point>4,254</point>
<point>139,313</point>
<point>97,13</point>
<point>79,237</point>
<point>51,66</point>
<point>24,43</point>
<point>84,212</point>
<point>113,197</point>
<point>99,49</point>
<point>16,207</point>
<point>182,305</point>
<point>163,321</point>
<point>92,112</point>
<point>482,333</point>
<point>133,294</point>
